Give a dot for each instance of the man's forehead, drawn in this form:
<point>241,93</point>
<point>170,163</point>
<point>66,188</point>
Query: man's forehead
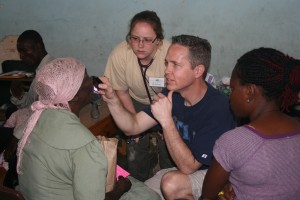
<point>176,50</point>
<point>26,44</point>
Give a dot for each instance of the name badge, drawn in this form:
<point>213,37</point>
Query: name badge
<point>156,82</point>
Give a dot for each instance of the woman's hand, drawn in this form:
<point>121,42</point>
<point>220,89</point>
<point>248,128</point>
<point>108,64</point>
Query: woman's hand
<point>228,193</point>
<point>123,185</point>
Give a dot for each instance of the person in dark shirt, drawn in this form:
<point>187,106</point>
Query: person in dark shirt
<point>191,113</point>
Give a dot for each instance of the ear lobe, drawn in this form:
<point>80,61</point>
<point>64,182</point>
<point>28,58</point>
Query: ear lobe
<point>250,92</point>
<point>199,70</point>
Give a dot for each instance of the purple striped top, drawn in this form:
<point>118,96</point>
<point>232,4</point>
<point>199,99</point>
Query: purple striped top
<point>261,167</point>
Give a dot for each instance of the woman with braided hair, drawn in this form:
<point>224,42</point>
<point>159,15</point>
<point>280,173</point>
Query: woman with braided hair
<point>260,159</point>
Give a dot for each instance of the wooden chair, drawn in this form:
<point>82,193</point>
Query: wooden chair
<point>10,194</point>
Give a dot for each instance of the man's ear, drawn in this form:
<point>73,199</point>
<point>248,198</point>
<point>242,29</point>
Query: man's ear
<point>39,47</point>
<point>199,70</point>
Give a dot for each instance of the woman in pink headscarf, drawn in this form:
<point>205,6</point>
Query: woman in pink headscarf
<point>58,157</point>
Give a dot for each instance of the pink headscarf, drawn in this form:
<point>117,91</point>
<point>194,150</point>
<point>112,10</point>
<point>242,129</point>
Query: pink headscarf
<point>56,83</point>
<point>17,118</point>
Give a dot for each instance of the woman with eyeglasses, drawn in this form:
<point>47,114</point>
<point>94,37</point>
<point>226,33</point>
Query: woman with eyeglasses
<point>135,69</point>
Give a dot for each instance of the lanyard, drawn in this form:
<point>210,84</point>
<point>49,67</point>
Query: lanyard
<point>144,69</point>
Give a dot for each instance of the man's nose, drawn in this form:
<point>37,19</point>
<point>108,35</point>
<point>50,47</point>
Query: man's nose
<point>167,70</point>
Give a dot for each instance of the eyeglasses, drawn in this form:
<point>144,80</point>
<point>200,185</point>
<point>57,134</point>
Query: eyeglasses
<point>145,40</point>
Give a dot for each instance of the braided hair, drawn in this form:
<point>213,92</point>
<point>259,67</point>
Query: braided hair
<point>276,73</point>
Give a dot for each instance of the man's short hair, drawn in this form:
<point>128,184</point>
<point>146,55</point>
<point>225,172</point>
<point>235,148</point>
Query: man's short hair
<point>32,37</point>
<point>199,50</point>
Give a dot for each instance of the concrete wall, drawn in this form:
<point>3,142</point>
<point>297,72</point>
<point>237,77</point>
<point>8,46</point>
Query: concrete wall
<point>88,30</point>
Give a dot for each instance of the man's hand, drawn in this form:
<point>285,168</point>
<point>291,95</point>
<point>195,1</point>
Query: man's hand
<point>161,108</point>
<point>106,90</point>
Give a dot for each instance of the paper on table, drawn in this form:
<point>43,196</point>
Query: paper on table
<point>13,74</point>
<point>121,172</point>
